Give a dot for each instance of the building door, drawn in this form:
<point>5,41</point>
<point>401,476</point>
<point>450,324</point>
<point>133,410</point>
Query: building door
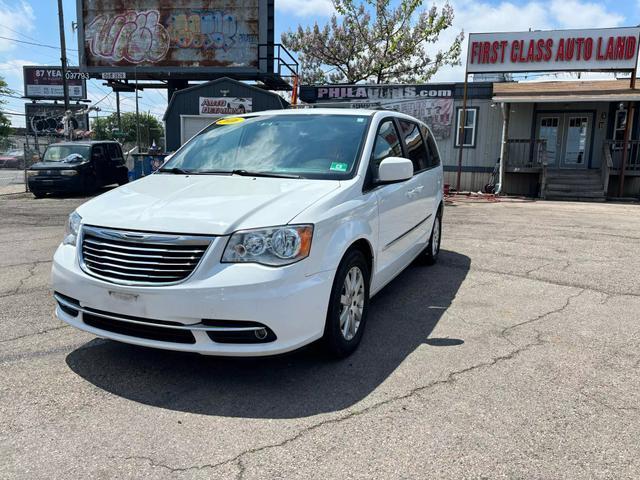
<point>549,130</point>
<point>567,139</point>
<point>576,145</point>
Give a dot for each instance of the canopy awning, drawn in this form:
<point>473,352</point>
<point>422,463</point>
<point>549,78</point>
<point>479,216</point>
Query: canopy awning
<point>565,92</point>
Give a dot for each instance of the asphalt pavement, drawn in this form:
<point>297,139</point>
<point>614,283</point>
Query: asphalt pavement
<point>517,356</point>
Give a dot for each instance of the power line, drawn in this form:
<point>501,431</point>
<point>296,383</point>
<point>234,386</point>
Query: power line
<point>33,43</point>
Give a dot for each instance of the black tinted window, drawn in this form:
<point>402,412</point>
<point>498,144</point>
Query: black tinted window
<point>416,150</point>
<point>114,151</point>
<point>387,144</point>
<point>432,149</point>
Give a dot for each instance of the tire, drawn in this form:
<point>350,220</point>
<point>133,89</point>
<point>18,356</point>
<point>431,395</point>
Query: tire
<point>38,194</point>
<point>431,253</point>
<point>123,179</point>
<point>89,185</point>
<point>343,331</point>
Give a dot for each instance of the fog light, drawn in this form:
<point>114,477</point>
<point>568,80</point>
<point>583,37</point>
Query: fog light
<point>261,334</point>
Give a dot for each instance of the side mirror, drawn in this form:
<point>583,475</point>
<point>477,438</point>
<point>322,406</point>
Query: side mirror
<point>395,169</point>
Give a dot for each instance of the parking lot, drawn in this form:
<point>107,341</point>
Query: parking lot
<point>517,356</point>
<point>11,181</point>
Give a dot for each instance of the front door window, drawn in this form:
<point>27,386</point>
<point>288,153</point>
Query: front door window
<point>549,132</point>
<point>576,145</point>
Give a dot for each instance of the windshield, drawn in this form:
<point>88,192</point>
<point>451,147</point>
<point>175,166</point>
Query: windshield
<point>308,146</point>
<point>69,153</point>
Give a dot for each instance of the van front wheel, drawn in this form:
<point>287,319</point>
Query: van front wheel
<point>348,306</point>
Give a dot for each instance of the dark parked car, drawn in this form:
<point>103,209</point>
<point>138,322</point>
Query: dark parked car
<point>12,159</point>
<point>78,167</point>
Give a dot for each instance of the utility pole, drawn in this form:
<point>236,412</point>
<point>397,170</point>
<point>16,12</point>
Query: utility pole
<point>63,56</point>
<point>118,110</point>
<point>137,115</point>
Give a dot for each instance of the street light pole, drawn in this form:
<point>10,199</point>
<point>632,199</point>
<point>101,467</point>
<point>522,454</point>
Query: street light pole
<point>63,56</point>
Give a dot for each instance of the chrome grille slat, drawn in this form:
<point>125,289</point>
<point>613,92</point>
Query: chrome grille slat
<point>150,248</point>
<point>138,258</point>
<point>106,257</point>
<point>136,255</point>
<point>138,269</point>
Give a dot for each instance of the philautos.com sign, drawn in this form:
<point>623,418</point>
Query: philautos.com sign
<point>604,49</point>
<point>225,105</point>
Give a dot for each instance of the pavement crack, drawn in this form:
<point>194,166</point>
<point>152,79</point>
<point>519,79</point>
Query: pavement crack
<point>42,332</point>
<point>155,464</point>
<point>505,331</point>
<point>31,271</point>
<point>450,378</point>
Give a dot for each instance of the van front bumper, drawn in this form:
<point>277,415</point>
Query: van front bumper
<point>276,310</point>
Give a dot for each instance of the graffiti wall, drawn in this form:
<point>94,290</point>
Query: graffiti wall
<point>170,33</point>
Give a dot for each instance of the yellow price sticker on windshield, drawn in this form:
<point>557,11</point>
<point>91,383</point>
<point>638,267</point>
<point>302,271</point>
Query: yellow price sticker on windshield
<point>230,121</point>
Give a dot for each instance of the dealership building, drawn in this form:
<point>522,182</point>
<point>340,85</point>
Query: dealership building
<point>574,139</point>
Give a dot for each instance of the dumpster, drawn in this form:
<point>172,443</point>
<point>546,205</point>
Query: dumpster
<point>145,164</point>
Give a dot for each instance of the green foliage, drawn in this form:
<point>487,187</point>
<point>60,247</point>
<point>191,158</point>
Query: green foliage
<point>106,128</point>
<point>5,123</point>
<point>372,41</point>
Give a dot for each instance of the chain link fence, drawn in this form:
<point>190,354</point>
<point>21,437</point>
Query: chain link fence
<point>15,162</point>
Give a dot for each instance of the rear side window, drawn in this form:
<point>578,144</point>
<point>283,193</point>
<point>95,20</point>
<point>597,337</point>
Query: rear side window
<point>387,144</point>
<point>114,151</point>
<point>416,149</point>
<point>432,149</point>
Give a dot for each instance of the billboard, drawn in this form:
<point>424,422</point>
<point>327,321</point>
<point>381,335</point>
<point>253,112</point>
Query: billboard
<point>45,83</point>
<point>157,36</point>
<point>46,119</point>
<point>601,49</point>
<point>224,105</point>
<point>433,104</point>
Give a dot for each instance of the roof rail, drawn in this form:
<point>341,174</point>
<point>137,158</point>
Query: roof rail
<point>367,105</point>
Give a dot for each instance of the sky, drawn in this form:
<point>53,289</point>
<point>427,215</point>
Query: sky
<point>37,21</point>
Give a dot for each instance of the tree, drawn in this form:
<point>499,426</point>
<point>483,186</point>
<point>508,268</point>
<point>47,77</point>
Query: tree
<point>106,128</point>
<point>5,123</point>
<point>372,41</point>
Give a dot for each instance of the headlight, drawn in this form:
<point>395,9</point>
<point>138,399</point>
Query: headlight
<point>68,173</point>
<point>72,230</point>
<point>275,246</point>
<point>32,173</point>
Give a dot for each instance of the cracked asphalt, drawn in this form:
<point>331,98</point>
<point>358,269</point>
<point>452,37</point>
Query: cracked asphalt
<point>517,356</point>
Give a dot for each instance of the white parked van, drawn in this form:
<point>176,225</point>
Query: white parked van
<point>263,233</point>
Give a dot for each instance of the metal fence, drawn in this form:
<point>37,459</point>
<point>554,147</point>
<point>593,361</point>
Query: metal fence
<point>15,162</point>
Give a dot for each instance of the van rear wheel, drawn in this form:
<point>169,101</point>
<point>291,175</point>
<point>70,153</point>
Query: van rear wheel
<point>431,253</point>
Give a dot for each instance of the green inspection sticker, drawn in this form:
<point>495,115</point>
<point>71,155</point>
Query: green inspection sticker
<point>339,167</point>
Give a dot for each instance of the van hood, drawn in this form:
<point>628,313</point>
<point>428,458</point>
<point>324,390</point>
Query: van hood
<point>204,204</point>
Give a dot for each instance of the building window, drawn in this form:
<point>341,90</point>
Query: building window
<point>620,126</point>
<point>470,127</point>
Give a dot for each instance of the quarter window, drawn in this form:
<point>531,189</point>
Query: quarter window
<point>416,150</point>
<point>432,149</point>
<point>387,145</point>
<point>469,130</point>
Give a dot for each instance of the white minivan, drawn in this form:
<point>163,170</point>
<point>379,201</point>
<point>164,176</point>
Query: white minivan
<point>265,232</point>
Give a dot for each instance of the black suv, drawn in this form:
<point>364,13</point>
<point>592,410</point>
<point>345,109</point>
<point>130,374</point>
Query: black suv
<point>78,167</point>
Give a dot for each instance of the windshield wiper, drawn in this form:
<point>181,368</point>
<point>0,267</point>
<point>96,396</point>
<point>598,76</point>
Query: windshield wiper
<point>246,173</point>
<point>175,170</point>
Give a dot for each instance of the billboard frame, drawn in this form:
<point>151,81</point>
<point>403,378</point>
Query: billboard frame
<point>53,98</point>
<point>265,13</point>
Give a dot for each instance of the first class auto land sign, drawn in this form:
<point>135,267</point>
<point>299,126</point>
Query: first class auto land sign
<point>604,49</point>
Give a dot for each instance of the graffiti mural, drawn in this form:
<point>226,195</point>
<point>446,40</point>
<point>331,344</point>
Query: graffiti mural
<point>134,37</point>
<point>181,33</point>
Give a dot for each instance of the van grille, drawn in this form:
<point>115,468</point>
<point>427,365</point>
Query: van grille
<point>140,258</point>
